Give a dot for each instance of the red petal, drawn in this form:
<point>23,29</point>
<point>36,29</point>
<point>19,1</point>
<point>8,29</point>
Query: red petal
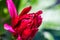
<point>34,30</point>
<point>39,20</point>
<point>15,21</point>
<point>25,10</point>
<point>26,34</point>
<point>39,12</point>
<point>22,25</point>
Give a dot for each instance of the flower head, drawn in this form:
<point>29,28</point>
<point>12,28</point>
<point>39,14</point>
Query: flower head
<point>25,25</point>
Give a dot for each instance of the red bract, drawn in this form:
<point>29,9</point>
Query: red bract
<point>25,25</point>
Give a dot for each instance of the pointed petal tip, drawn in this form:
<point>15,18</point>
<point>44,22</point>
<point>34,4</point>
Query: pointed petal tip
<point>30,7</point>
<point>5,26</point>
<point>39,12</point>
<point>8,27</point>
<point>11,8</point>
<point>25,10</point>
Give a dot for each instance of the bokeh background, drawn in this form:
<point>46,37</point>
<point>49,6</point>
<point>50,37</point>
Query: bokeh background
<point>50,27</point>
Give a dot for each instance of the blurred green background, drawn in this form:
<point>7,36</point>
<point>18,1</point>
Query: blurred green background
<point>50,27</point>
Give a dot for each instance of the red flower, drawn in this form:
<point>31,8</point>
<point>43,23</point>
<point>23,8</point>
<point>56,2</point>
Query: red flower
<point>25,25</point>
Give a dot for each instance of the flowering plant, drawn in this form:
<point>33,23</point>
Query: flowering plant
<point>25,25</point>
